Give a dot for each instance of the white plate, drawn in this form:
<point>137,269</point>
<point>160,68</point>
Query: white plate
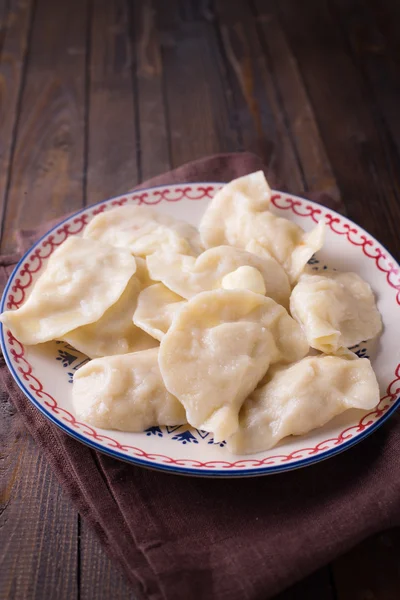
<point>45,372</point>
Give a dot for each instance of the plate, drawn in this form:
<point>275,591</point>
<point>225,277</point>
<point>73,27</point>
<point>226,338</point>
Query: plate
<point>44,373</point>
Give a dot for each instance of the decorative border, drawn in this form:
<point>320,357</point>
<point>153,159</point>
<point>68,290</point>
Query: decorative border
<point>158,196</point>
<point>354,236</point>
<point>25,371</point>
<point>35,261</point>
<point>79,223</point>
<point>27,267</point>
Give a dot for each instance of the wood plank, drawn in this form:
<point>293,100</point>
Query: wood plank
<point>260,117</point>
<point>4,9</point>
<point>372,55</point>
<point>112,138</point>
<point>47,168</point>
<point>198,118</point>
<point>100,577</point>
<point>150,81</point>
<point>370,571</point>
<point>14,36</point>
<point>111,169</point>
<point>358,148</point>
<point>38,525</point>
<point>366,168</point>
<point>319,180</point>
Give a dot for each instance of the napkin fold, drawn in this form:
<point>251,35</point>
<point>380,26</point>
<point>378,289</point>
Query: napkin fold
<point>238,539</point>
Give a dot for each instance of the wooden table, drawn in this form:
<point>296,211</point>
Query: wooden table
<point>96,95</point>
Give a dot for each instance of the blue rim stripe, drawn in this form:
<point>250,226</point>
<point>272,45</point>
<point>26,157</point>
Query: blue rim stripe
<point>168,468</point>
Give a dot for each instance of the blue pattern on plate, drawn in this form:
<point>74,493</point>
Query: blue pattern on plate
<point>360,350</point>
<point>72,359</point>
<point>68,359</point>
<point>316,264</point>
<point>172,428</point>
<point>220,444</point>
<point>174,468</point>
<point>154,431</point>
<point>186,437</point>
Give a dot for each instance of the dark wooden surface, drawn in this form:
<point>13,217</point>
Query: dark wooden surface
<point>96,95</point>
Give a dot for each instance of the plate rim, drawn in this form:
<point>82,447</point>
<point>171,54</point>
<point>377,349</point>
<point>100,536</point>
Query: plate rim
<point>184,470</point>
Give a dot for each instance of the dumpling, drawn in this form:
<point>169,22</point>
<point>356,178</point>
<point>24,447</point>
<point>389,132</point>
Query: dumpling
<point>188,276</point>
<point>221,221</point>
<point>336,309</point>
<point>238,215</point>
<point>142,272</point>
<point>244,278</point>
<point>82,279</point>
<point>298,245</point>
<point>218,347</point>
<point>156,308</point>
<point>302,397</point>
<point>143,231</point>
<point>124,392</point>
<point>114,332</point>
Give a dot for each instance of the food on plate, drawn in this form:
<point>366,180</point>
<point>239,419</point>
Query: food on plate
<point>82,279</point>
<point>143,230</point>
<point>300,397</point>
<point>188,276</point>
<point>114,332</point>
<point>204,328</point>
<point>239,215</point>
<point>219,346</point>
<point>244,278</point>
<point>156,308</point>
<point>335,309</point>
<point>125,392</point>
<point>142,272</point>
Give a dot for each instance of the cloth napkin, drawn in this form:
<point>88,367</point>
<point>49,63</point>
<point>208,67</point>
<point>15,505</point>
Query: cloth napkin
<point>238,539</point>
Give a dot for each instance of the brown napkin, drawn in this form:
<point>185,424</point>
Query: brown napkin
<point>179,537</point>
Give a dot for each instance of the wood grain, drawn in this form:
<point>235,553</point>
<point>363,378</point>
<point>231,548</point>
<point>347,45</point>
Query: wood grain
<point>92,103</point>
<point>100,578</point>
<point>112,137</point>
<point>47,168</point>
<point>14,36</point>
<point>111,169</point>
<point>4,7</point>
<point>198,119</point>
<point>261,120</point>
<point>155,150</point>
<point>317,173</point>
<point>38,525</point>
<point>371,52</point>
<point>366,168</point>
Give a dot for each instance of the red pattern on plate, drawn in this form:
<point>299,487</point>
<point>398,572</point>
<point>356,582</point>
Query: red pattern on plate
<point>295,205</point>
<point>159,195</point>
<point>35,261</point>
<point>34,384</point>
<point>353,235</point>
